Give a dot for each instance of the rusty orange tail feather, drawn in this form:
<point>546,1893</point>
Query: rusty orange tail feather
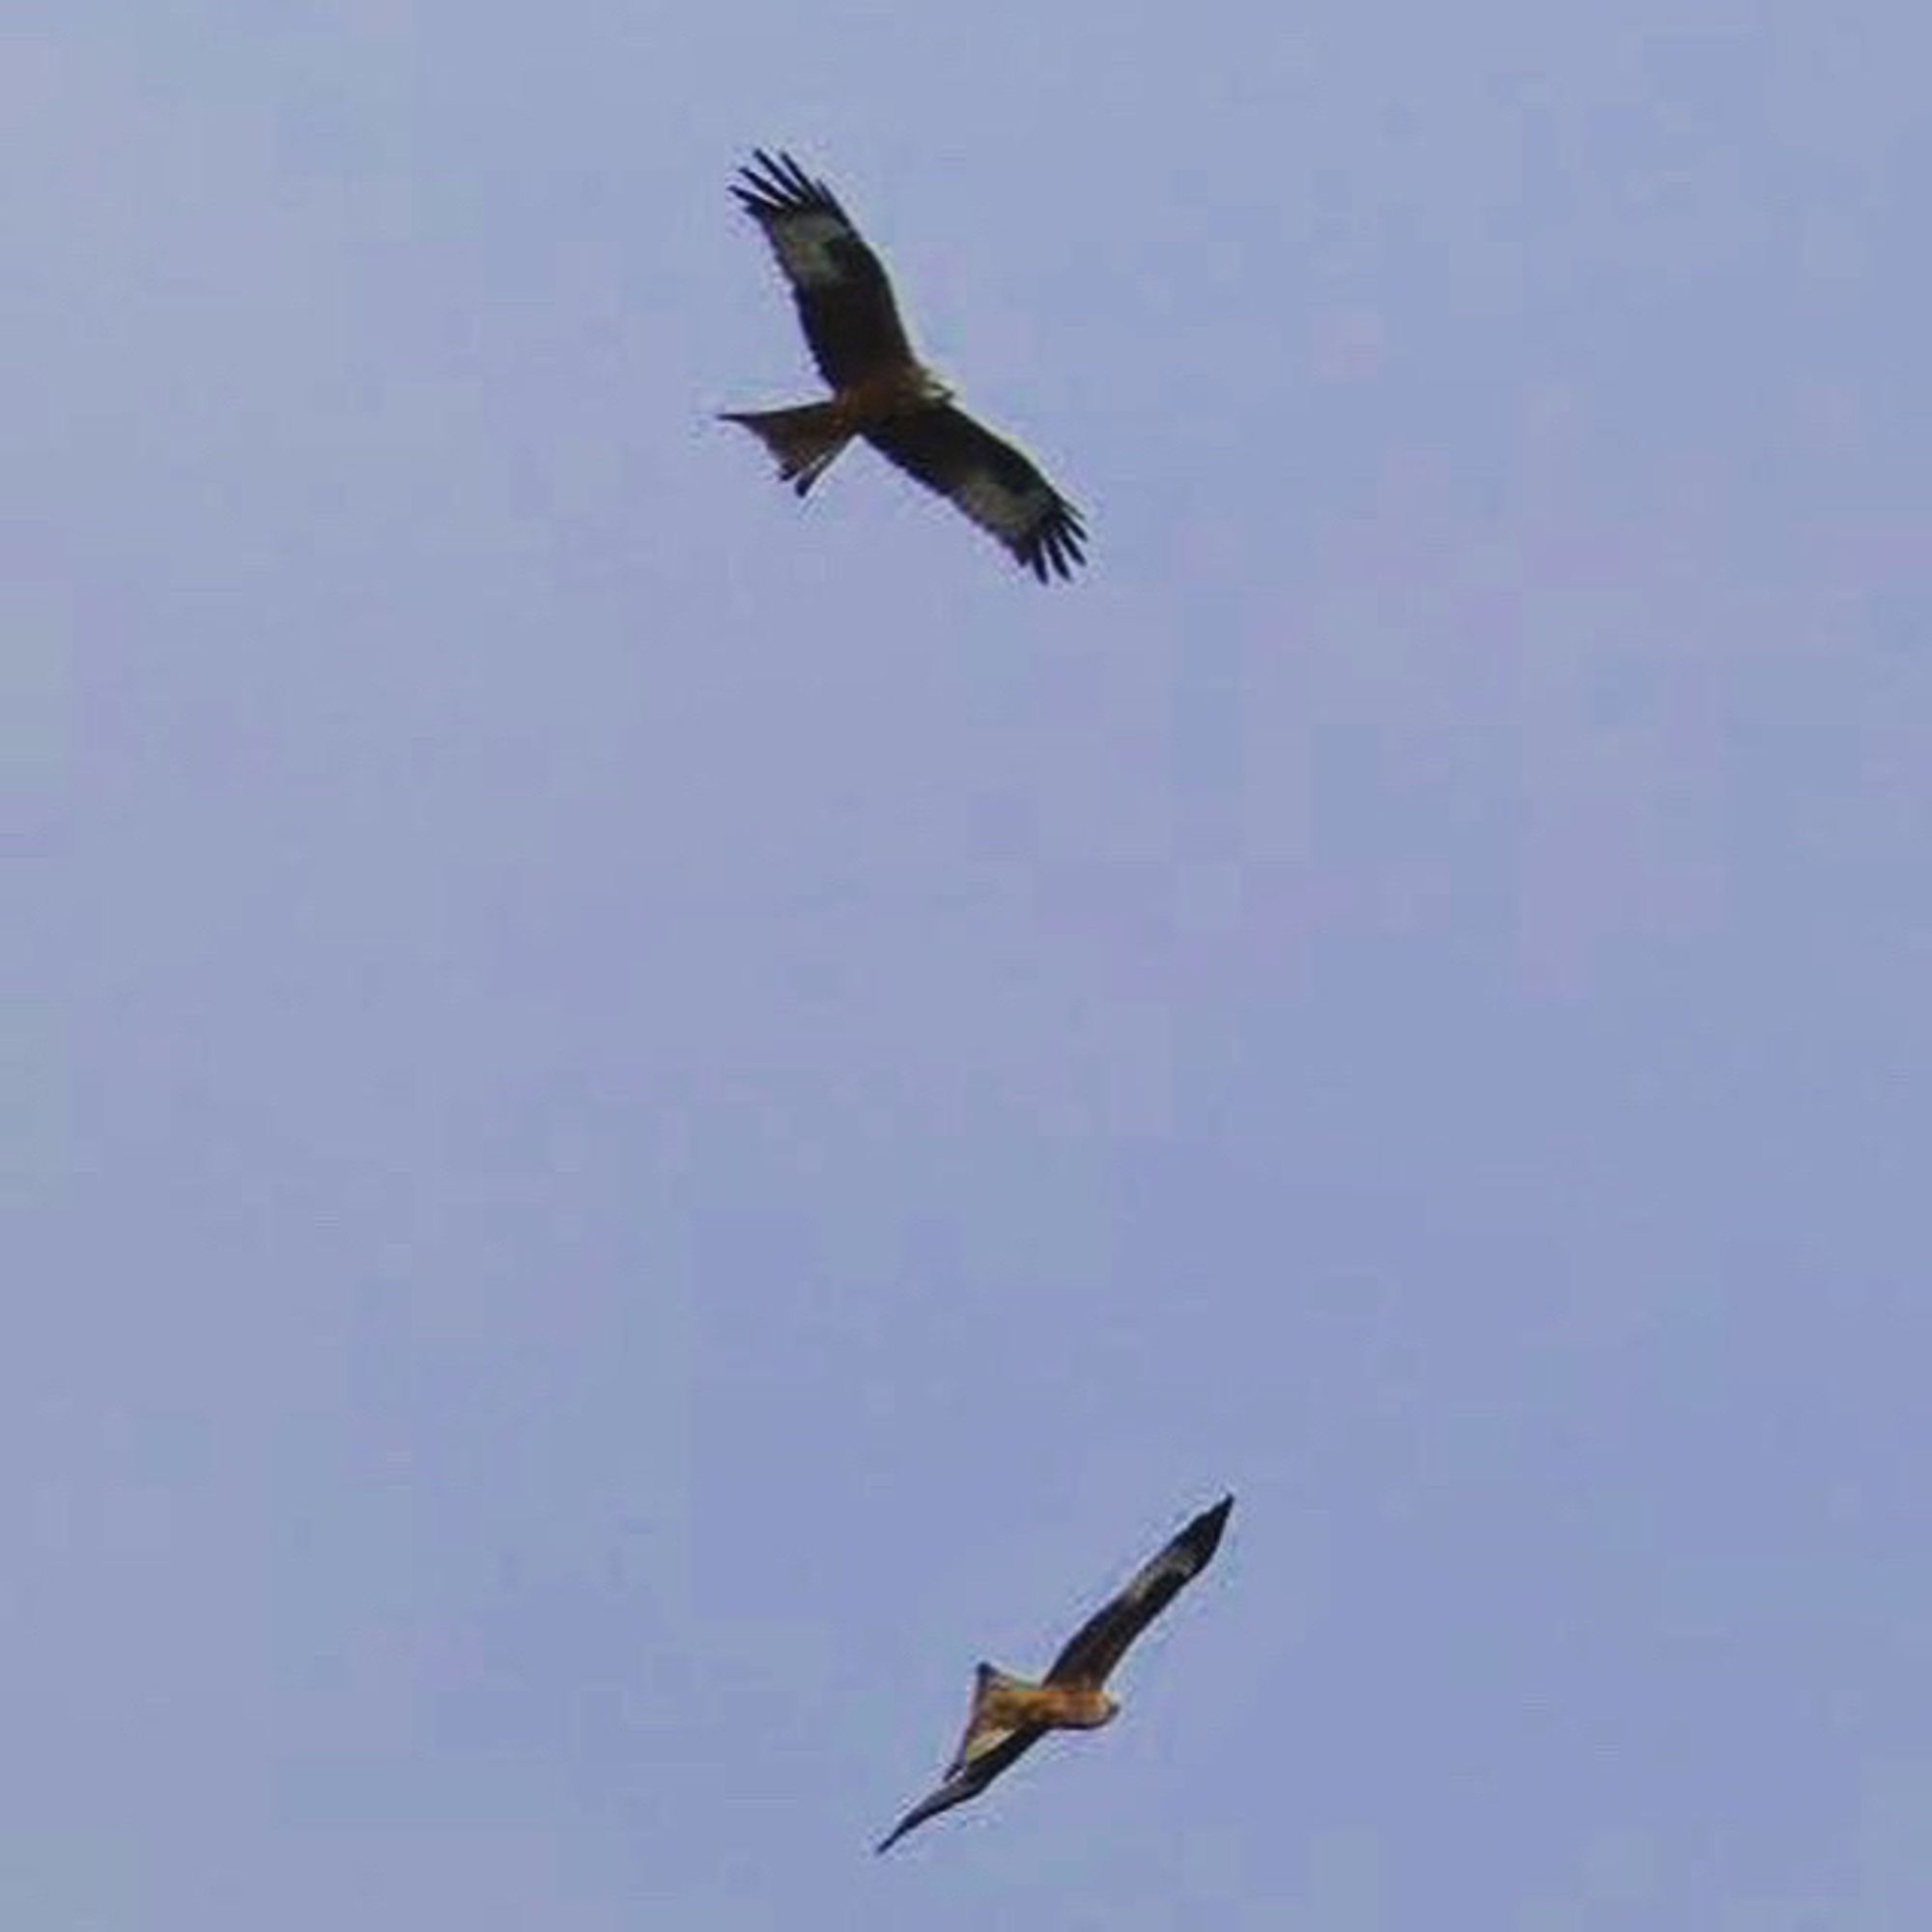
<point>805,439</point>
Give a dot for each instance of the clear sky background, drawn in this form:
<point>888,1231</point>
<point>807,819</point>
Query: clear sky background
<point>683,1113</point>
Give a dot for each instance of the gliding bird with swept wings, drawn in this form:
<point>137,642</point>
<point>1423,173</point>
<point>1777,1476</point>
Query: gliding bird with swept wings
<point>1010,1715</point>
<point>879,390</point>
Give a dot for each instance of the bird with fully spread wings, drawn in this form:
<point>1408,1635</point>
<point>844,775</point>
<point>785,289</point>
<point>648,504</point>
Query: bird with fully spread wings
<point>879,390</point>
<point>1010,1715</point>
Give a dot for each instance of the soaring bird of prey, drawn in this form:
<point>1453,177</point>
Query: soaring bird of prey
<point>1010,1715</point>
<point>879,391</point>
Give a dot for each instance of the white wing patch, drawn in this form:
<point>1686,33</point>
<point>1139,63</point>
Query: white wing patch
<point>988,503</point>
<point>804,247</point>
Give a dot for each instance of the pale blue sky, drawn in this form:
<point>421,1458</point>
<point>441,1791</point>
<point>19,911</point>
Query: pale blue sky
<point>684,1112</point>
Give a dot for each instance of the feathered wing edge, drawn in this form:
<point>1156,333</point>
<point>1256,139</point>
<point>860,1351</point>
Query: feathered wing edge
<point>772,185</point>
<point>841,291</point>
<point>989,481</point>
<point>966,1782</point>
<point>1100,1642</point>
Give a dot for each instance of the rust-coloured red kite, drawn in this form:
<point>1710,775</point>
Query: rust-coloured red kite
<point>1010,1715</point>
<point>879,390</point>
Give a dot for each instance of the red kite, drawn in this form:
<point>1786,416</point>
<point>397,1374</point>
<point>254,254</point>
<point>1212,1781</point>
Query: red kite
<point>879,391</point>
<point>1010,1715</point>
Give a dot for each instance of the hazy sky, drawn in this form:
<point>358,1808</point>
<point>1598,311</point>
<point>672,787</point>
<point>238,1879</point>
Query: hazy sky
<point>682,1113</point>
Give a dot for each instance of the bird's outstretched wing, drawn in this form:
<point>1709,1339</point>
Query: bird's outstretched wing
<point>968,1782</point>
<point>989,480</point>
<point>1100,1642</point>
<point>844,299</point>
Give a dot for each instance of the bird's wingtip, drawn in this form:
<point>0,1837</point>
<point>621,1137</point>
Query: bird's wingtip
<point>1204,1531</point>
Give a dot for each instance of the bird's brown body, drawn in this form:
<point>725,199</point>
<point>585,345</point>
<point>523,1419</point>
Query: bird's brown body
<point>1003,1704</point>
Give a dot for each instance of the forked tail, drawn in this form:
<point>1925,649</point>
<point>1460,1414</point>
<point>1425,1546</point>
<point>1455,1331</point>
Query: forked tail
<point>998,1711</point>
<point>805,439</point>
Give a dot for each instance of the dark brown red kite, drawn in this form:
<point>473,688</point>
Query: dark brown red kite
<point>879,390</point>
<point>1010,1715</point>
